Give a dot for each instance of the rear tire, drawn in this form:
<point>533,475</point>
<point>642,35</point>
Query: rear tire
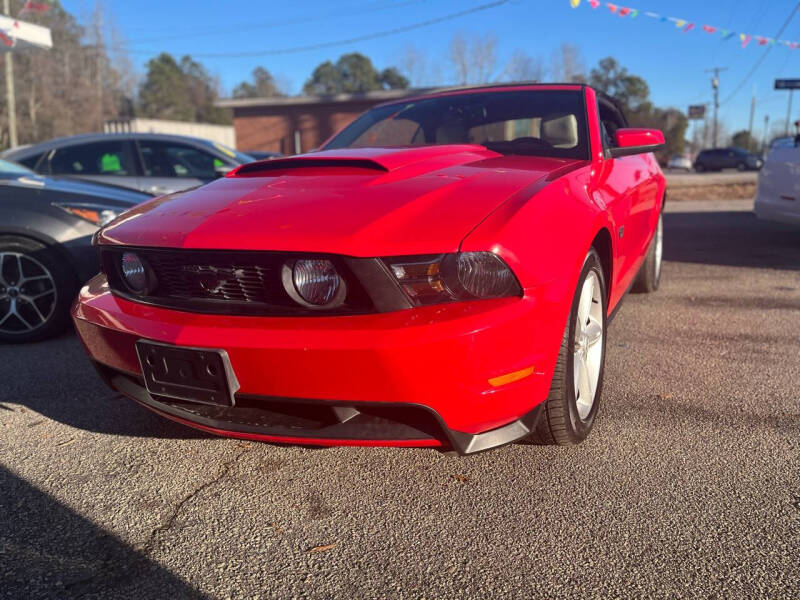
<point>571,406</point>
<point>649,276</point>
<point>37,287</point>
<point>699,168</point>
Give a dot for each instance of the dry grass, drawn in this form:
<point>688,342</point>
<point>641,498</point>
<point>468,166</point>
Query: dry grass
<point>726,191</point>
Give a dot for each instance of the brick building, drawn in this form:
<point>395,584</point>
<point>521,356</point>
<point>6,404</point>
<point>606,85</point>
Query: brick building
<point>299,123</point>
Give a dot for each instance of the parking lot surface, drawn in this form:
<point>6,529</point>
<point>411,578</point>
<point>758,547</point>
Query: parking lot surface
<point>689,485</point>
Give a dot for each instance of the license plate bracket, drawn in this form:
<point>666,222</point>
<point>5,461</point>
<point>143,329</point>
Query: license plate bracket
<point>190,374</point>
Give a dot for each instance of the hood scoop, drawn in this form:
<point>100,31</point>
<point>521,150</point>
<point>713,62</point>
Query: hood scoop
<point>382,160</point>
<point>266,167</point>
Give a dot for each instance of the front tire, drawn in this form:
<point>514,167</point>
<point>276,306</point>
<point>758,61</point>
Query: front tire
<point>649,276</point>
<point>574,398</point>
<point>36,289</point>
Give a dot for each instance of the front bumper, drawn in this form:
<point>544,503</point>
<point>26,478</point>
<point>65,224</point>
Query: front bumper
<point>417,377</point>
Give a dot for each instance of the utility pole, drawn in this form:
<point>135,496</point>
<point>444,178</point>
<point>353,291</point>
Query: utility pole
<point>766,124</point>
<point>10,100</point>
<point>788,113</point>
<point>715,87</point>
<point>752,114</point>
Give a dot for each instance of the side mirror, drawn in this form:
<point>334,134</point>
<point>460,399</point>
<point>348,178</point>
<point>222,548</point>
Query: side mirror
<point>637,141</point>
<point>222,170</point>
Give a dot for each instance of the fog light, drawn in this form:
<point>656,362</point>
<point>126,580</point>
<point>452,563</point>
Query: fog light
<point>133,272</point>
<point>317,282</point>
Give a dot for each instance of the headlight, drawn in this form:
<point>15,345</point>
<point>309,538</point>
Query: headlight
<point>441,278</point>
<point>314,283</point>
<point>97,215</point>
<point>133,272</point>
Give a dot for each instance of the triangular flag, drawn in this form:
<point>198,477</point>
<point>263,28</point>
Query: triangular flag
<point>37,7</point>
<point>634,13</point>
<point>7,40</point>
<point>745,39</point>
<point>624,11</point>
<point>663,19</point>
<point>679,23</point>
<point>594,3</point>
<point>709,29</point>
<point>612,7</point>
<point>575,3</point>
<point>762,41</point>
<point>689,27</point>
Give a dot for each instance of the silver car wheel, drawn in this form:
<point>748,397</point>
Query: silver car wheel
<point>588,344</point>
<point>28,293</point>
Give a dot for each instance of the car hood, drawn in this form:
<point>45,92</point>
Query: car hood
<point>357,202</point>
<point>70,186</point>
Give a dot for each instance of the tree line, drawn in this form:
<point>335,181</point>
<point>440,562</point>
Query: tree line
<point>87,78</point>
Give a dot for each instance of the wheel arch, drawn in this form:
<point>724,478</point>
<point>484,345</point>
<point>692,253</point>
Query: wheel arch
<point>603,245</point>
<point>48,243</point>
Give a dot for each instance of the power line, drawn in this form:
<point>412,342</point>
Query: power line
<point>361,38</point>
<point>763,56</point>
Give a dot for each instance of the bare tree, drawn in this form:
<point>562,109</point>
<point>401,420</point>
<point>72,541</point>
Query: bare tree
<point>474,60</point>
<point>415,64</point>
<point>567,64</point>
<point>523,67</point>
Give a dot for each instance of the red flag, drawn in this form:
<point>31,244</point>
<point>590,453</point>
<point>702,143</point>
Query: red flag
<point>709,29</point>
<point>762,41</point>
<point>612,7</point>
<point>6,40</point>
<point>624,11</point>
<point>594,3</point>
<point>689,27</point>
<point>36,7</point>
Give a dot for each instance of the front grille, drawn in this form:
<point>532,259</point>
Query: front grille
<point>238,278</point>
<point>227,282</point>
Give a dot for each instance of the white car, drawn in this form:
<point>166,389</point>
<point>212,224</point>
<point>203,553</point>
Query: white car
<point>778,197</point>
<point>680,162</point>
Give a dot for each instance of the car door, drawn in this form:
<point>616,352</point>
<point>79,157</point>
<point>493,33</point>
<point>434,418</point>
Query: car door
<point>630,183</point>
<point>171,166</point>
<point>109,161</point>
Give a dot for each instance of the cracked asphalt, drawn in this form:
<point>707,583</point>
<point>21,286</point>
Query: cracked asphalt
<point>689,485</point>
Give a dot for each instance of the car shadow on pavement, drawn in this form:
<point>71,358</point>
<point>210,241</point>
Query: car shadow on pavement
<point>55,379</point>
<point>730,238</point>
<point>50,551</point>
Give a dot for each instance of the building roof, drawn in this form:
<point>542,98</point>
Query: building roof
<point>378,96</point>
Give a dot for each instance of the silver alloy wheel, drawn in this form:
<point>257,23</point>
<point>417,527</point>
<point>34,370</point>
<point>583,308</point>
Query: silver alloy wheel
<point>27,293</point>
<point>659,246</point>
<point>588,344</point>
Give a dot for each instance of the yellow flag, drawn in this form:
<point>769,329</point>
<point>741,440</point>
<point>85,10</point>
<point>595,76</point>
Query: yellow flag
<point>575,3</point>
<point>680,23</point>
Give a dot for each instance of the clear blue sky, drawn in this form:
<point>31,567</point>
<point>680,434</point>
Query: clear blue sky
<point>672,62</point>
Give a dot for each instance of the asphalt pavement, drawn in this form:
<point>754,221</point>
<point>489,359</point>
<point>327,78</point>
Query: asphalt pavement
<point>689,485</point>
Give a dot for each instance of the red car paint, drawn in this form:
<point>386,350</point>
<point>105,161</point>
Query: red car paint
<point>541,215</point>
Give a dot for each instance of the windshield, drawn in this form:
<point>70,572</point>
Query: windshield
<point>534,122</point>
<point>239,157</point>
<point>12,169</point>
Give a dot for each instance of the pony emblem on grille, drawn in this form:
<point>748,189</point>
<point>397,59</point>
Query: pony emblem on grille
<point>213,279</point>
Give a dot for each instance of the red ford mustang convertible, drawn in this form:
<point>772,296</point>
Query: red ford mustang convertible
<point>441,273</point>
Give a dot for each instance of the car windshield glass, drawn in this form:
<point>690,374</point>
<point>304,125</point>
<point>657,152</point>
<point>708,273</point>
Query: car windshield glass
<point>239,157</point>
<point>8,168</point>
<point>534,122</point>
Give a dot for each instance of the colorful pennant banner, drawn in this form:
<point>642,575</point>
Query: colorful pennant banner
<point>685,26</point>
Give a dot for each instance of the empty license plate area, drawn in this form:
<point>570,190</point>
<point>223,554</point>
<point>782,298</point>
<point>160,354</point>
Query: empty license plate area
<point>191,374</point>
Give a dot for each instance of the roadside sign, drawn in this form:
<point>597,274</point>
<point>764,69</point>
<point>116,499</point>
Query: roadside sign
<point>697,111</point>
<point>20,35</point>
<point>787,84</point>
